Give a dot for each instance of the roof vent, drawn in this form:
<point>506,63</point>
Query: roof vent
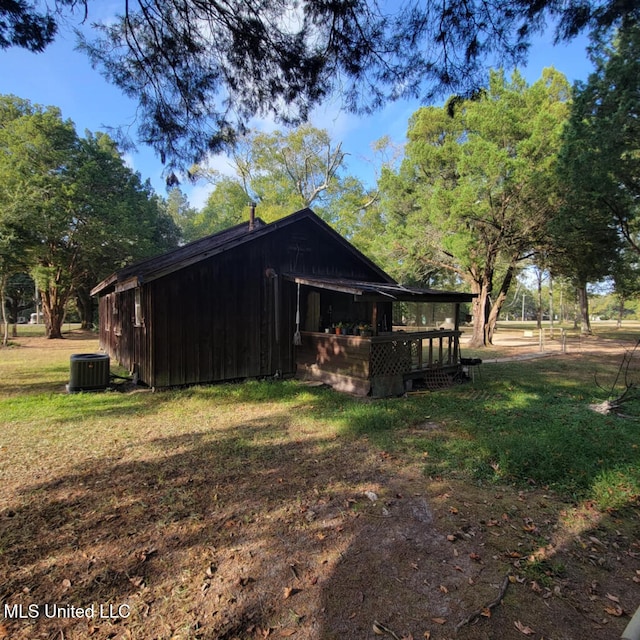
<point>252,216</point>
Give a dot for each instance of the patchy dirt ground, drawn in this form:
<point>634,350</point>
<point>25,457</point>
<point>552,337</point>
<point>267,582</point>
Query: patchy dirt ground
<point>425,559</point>
<point>309,540</point>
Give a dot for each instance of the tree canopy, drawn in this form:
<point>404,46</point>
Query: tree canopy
<point>71,211</point>
<point>201,70</point>
<point>601,155</point>
<point>599,171</point>
<point>475,190</point>
<point>282,172</point>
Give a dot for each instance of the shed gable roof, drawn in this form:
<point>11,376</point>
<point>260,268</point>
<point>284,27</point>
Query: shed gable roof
<point>159,266</point>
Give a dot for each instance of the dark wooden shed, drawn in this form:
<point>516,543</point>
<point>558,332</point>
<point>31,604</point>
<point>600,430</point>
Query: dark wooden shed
<point>228,307</point>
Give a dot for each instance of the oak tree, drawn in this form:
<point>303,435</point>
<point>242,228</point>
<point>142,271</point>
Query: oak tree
<point>476,187</point>
<point>71,211</point>
<point>599,167</point>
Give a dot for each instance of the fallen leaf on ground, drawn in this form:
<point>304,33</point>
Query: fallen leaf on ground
<point>146,553</point>
<point>439,620</point>
<point>528,631</point>
<point>379,629</point>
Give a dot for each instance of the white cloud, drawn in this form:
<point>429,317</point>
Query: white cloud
<point>198,194</point>
<point>128,160</point>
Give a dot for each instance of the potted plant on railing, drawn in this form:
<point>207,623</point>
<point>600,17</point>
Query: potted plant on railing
<point>339,328</point>
<point>365,330</point>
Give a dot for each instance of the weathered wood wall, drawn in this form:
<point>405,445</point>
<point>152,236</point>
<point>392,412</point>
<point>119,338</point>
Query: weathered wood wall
<point>119,336</point>
<point>225,317</point>
<point>216,321</point>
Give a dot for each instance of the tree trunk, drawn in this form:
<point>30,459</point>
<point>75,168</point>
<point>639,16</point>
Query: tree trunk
<point>550,306</point>
<point>499,301</point>
<point>13,313</point>
<point>5,321</point>
<point>54,303</point>
<point>480,315</point>
<point>583,302</point>
<point>622,301</point>
<point>85,308</point>
<point>539,305</point>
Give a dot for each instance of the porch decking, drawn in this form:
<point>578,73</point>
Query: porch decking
<point>380,365</point>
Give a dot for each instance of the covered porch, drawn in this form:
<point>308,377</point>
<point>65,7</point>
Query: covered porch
<point>377,338</point>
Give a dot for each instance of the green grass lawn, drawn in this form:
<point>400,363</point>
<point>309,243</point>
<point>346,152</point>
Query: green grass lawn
<point>520,422</point>
<point>196,507</point>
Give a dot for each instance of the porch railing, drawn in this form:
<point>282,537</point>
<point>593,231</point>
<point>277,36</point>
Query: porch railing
<point>378,365</point>
<point>413,351</point>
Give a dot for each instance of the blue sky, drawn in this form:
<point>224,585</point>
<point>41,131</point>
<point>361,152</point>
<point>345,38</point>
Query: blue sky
<point>63,77</point>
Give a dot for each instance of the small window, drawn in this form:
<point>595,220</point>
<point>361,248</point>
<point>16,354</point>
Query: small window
<point>138,308</point>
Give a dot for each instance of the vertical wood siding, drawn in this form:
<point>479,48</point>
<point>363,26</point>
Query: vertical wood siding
<point>215,320</point>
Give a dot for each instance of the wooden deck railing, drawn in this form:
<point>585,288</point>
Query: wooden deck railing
<point>380,364</point>
<point>414,351</point>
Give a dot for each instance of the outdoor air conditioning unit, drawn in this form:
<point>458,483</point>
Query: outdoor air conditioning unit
<point>89,372</point>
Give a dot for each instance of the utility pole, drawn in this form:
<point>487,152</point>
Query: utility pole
<point>550,307</point>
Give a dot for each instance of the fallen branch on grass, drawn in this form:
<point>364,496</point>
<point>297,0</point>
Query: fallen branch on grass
<point>615,399</point>
<point>483,611</point>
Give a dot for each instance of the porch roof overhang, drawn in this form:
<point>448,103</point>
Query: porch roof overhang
<point>380,291</point>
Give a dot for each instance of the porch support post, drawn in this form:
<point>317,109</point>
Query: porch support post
<point>374,319</point>
<point>456,339</point>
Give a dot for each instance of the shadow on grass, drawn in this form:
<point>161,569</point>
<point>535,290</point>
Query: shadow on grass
<point>202,531</point>
<point>192,531</point>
